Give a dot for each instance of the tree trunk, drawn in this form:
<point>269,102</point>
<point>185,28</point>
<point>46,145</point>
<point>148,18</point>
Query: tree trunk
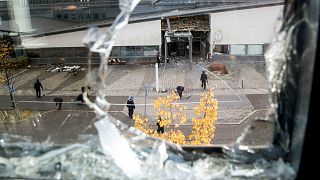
<point>12,101</point>
<point>11,95</point>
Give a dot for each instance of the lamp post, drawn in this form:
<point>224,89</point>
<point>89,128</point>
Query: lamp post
<point>157,77</point>
<point>145,99</point>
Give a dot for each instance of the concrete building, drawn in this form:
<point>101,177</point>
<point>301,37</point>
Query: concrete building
<point>242,27</point>
<point>136,41</point>
<point>243,32</point>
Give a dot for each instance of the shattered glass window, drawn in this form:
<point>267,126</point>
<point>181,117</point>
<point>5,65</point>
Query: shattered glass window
<point>129,89</point>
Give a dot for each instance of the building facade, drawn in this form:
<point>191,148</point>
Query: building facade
<point>244,32</point>
<point>56,35</point>
<point>135,41</point>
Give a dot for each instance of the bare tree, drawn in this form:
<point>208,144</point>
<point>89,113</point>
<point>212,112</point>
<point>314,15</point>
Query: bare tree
<point>7,66</point>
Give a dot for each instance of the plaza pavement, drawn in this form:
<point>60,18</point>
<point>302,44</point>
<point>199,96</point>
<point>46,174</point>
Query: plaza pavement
<point>239,103</point>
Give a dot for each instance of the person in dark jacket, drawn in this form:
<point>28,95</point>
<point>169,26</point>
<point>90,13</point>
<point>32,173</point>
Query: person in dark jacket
<point>180,89</point>
<point>158,59</point>
<point>204,80</point>
<point>58,101</point>
<point>37,86</point>
<point>131,106</point>
<point>160,128</point>
<point>80,98</point>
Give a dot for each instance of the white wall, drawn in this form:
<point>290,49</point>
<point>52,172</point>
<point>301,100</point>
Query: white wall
<point>249,26</point>
<point>137,34</point>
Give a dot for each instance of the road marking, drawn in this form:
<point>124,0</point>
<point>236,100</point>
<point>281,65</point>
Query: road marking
<point>18,73</point>
<point>220,80</point>
<point>248,116</point>
<point>238,123</point>
<point>116,104</point>
<point>64,121</point>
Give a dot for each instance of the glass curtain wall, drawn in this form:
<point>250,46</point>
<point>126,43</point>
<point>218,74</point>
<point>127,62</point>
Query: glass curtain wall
<point>82,52</point>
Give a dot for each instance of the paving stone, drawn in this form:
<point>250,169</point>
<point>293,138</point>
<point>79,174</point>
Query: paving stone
<point>130,80</point>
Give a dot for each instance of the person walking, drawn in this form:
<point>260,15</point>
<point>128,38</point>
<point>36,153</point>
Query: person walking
<point>37,86</point>
<point>160,128</point>
<point>131,106</point>
<point>204,80</point>
<point>80,96</point>
<point>158,59</point>
<point>180,89</point>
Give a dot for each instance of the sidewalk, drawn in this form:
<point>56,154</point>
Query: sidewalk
<point>124,81</point>
<point>238,106</point>
<point>130,80</point>
<point>64,127</point>
<point>230,110</point>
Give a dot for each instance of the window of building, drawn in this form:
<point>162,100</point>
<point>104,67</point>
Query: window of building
<point>139,51</point>
<point>48,53</point>
<point>238,49</point>
<point>150,50</point>
<point>73,16</point>
<point>255,49</point>
<point>95,15</point>
<point>221,49</point>
<point>65,16</point>
<point>115,51</point>
<point>33,53</point>
<point>250,49</point>
<point>88,17</point>
<point>66,52</point>
<point>127,51</point>
<point>81,52</point>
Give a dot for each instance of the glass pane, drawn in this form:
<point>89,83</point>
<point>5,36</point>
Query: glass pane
<point>216,100</point>
<point>127,51</point>
<point>238,49</point>
<point>33,53</point>
<point>66,52</point>
<point>139,51</point>
<point>150,50</point>
<point>255,49</point>
<point>48,53</point>
<point>81,52</point>
<point>115,51</point>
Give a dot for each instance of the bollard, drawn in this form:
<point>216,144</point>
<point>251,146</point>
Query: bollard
<point>157,78</point>
<point>145,99</point>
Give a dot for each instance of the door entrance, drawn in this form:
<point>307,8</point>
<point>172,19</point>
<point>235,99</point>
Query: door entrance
<point>178,49</point>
